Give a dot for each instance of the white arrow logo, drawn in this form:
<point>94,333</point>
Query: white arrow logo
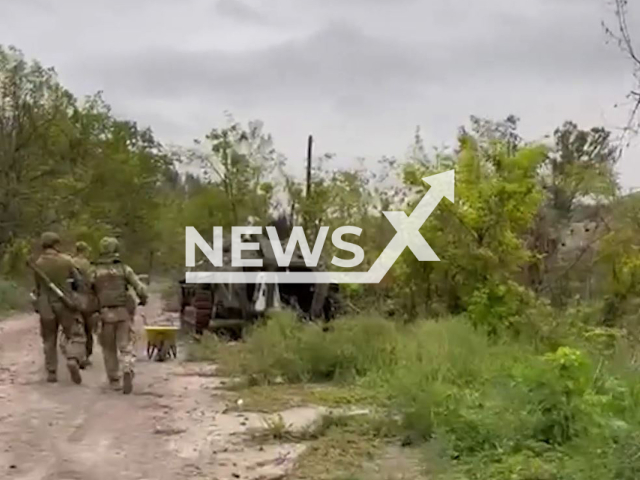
<point>408,235</point>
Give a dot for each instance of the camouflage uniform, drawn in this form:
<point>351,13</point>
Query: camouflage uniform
<point>110,281</point>
<point>54,314</point>
<point>90,308</point>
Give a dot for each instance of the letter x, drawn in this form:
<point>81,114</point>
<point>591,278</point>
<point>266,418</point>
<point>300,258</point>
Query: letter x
<point>408,228</point>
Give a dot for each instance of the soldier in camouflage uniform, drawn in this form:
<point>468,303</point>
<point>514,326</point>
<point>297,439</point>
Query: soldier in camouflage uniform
<point>110,281</point>
<point>90,309</point>
<point>54,314</point>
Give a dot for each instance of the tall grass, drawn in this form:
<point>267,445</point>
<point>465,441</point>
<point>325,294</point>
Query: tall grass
<point>284,349</point>
<point>500,410</point>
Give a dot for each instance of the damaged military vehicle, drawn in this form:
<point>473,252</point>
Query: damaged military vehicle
<point>229,308</point>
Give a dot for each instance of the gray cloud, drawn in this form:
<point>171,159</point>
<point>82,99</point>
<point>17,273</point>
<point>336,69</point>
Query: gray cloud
<point>341,61</point>
<point>336,63</point>
<point>360,74</point>
<point>238,10</point>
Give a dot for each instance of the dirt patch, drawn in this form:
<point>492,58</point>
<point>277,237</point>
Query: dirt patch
<point>172,427</point>
<point>183,421</point>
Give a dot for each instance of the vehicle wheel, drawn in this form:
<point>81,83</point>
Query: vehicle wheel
<point>203,303</point>
<point>331,307</point>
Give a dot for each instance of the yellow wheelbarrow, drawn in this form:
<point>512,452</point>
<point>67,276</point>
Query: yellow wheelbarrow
<point>161,341</point>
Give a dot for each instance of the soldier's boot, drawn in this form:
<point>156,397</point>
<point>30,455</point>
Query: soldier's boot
<point>127,382</point>
<point>89,346</point>
<point>114,384</point>
<point>74,371</point>
<point>126,357</point>
<point>49,334</point>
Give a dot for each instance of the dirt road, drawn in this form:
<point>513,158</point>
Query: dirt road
<point>173,426</point>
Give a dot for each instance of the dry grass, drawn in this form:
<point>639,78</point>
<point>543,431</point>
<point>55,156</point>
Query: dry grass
<point>275,398</point>
<point>343,445</point>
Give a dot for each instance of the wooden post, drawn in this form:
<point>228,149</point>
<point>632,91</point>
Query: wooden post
<point>305,219</point>
<point>309,153</point>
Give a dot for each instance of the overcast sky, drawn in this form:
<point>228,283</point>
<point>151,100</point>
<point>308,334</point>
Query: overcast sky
<point>358,74</point>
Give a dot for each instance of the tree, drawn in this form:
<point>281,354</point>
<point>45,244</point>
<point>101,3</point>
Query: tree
<point>618,262</point>
<point>36,131</point>
<point>482,237</point>
<point>578,177</point>
<point>417,151</point>
<point>621,35</point>
<point>241,162</point>
<point>73,167</point>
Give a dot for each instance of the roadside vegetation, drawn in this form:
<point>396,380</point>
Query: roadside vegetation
<point>13,296</point>
<point>492,407</point>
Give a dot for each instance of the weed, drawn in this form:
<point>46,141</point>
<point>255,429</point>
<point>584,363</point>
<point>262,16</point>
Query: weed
<point>276,428</point>
<point>210,348</point>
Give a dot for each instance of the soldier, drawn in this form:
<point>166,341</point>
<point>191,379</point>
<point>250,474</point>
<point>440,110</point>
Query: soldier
<point>110,281</point>
<point>54,314</point>
<point>89,310</point>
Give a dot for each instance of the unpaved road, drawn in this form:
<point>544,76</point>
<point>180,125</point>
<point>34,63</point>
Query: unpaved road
<point>173,426</point>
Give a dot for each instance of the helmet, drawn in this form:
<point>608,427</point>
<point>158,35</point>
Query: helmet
<point>82,247</point>
<point>109,246</point>
<point>49,239</point>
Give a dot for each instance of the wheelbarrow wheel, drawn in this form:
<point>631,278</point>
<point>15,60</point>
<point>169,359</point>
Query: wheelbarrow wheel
<point>150,350</point>
<point>162,352</point>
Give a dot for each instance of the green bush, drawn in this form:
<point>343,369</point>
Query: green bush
<point>13,261</point>
<point>499,409</point>
<point>496,305</point>
<point>284,348</point>
<point>13,297</point>
<point>207,348</point>
<point>534,417</point>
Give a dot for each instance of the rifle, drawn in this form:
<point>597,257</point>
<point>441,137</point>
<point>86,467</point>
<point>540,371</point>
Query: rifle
<point>52,287</point>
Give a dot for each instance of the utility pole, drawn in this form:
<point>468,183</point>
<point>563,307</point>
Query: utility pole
<point>309,153</point>
<point>305,214</point>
